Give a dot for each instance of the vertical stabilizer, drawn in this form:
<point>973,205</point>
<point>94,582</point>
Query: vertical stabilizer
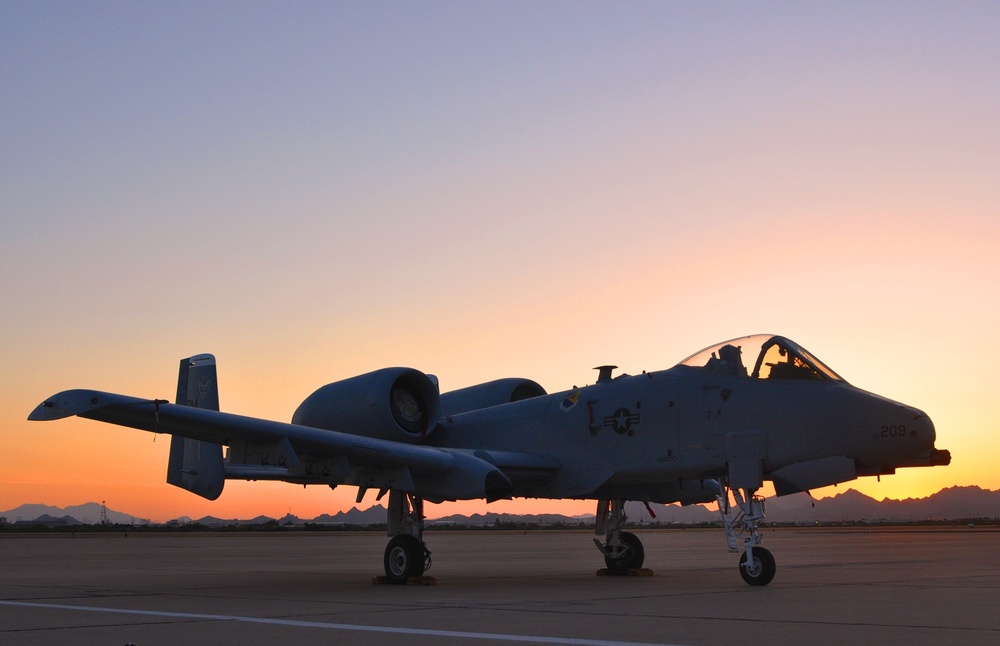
<point>194,465</point>
<point>197,384</point>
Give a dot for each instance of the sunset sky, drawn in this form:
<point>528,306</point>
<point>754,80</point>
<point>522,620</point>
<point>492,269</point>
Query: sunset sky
<point>312,190</point>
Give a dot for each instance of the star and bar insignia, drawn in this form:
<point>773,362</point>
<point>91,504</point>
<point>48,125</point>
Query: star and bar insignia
<point>622,421</point>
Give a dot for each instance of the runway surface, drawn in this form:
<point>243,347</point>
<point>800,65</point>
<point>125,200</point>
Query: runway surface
<point>833,586</point>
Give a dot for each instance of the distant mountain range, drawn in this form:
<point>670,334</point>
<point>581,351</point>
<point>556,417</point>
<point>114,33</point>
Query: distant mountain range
<point>86,514</point>
<point>954,503</point>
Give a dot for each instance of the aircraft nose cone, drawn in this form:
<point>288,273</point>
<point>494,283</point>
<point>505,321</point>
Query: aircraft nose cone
<point>922,428</point>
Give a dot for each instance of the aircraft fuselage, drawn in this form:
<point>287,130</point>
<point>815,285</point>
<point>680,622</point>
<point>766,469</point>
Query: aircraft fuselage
<point>635,433</point>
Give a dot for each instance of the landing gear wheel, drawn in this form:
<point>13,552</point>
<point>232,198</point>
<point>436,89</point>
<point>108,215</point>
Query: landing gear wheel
<point>631,558</point>
<point>404,557</point>
<point>761,571</point>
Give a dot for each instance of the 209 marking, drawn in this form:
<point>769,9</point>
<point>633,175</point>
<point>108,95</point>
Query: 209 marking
<point>894,430</point>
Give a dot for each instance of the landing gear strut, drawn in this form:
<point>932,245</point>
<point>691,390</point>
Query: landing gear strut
<point>622,550</point>
<point>406,555</point>
<point>757,566</point>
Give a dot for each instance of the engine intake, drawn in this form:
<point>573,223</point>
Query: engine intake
<point>400,404</point>
<point>491,393</point>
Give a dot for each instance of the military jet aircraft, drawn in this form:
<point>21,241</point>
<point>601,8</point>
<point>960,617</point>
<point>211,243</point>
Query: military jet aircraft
<point>711,429</point>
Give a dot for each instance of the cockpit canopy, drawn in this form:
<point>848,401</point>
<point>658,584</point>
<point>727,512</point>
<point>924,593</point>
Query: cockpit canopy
<point>776,358</point>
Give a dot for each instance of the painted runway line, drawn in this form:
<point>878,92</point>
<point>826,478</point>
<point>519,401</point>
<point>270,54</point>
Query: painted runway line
<point>458,634</point>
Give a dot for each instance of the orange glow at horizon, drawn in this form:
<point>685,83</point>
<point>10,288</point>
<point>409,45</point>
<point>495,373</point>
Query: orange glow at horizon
<point>160,502</point>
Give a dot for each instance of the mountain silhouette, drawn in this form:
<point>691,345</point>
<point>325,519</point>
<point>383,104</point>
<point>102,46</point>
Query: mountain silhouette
<point>87,514</point>
<point>953,503</point>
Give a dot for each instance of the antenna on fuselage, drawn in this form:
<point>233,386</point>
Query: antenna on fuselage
<point>604,373</point>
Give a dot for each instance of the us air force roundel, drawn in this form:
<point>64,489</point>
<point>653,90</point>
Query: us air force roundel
<point>622,421</point>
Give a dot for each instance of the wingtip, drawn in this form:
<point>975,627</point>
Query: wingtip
<point>43,412</point>
<point>65,404</point>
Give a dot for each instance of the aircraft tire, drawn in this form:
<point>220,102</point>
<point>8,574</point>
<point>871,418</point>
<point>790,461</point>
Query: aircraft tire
<point>404,557</point>
<point>631,560</point>
<point>762,572</point>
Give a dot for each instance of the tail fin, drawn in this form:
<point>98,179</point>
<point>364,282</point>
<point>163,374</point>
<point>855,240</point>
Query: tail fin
<point>194,465</point>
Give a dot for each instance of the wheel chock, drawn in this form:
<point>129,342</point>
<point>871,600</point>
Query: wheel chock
<point>413,580</point>
<point>630,572</point>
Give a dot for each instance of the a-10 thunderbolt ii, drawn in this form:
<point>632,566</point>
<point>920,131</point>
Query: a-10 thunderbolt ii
<point>711,429</point>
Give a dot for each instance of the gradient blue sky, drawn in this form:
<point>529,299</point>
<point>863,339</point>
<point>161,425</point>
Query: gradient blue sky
<point>314,190</point>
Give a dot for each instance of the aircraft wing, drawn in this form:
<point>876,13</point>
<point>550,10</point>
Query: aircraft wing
<point>433,472</point>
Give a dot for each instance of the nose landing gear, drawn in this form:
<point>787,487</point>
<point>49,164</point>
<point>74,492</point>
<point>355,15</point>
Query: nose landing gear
<point>757,566</point>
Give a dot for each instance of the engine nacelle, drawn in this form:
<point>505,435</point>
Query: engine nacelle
<point>400,404</point>
<point>491,393</point>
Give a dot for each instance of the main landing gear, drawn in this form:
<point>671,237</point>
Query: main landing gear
<point>406,555</point>
<point>757,566</point>
<point>622,550</point>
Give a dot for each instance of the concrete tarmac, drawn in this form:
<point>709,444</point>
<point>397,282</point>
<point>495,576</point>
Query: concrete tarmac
<point>833,586</point>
